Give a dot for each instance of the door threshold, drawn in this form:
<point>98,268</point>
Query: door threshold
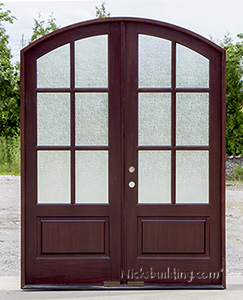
<point>64,287</point>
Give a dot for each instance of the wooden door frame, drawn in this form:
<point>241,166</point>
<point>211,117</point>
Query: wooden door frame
<point>89,28</point>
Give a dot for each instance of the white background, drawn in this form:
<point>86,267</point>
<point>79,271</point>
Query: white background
<point>206,17</point>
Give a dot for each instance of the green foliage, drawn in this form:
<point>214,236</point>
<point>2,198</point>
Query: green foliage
<point>234,95</point>
<point>5,16</point>
<point>101,12</point>
<point>42,27</point>
<point>237,173</point>
<point>10,93</point>
<point>9,82</point>
<point>10,155</point>
<point>9,98</point>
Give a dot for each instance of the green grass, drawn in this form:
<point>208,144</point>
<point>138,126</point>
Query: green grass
<point>10,155</point>
<point>237,173</point>
<point>235,182</point>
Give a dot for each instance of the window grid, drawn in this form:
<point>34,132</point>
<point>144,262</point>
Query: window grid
<point>174,90</point>
<point>72,90</point>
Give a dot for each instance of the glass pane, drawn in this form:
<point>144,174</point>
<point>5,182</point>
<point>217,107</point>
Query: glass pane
<point>154,62</point>
<point>154,177</point>
<point>92,177</point>
<point>192,169</point>
<point>53,119</point>
<point>91,119</point>
<point>53,177</point>
<point>53,69</point>
<point>192,69</point>
<point>154,119</point>
<point>91,62</point>
<point>192,119</point>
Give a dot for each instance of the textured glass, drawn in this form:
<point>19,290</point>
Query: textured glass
<point>53,177</point>
<point>91,118</point>
<point>154,177</point>
<point>92,177</point>
<point>154,62</point>
<point>53,119</point>
<point>192,119</point>
<point>154,119</point>
<point>192,176</point>
<point>91,62</point>
<point>53,68</point>
<point>192,69</point>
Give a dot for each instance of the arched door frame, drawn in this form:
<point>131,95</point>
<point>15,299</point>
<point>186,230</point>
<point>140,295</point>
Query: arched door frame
<point>123,32</point>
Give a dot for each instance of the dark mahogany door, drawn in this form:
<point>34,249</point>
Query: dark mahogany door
<point>122,160</point>
<point>72,156</point>
<point>173,158</point>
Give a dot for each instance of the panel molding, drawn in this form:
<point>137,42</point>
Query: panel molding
<point>57,236</point>
<point>154,241</point>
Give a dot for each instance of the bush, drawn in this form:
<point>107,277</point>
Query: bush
<point>10,155</point>
<point>234,95</point>
<point>237,173</point>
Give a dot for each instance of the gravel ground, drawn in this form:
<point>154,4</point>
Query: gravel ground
<point>234,228</point>
<point>10,227</point>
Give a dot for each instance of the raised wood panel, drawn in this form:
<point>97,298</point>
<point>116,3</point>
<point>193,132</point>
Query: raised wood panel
<point>73,236</point>
<point>173,236</point>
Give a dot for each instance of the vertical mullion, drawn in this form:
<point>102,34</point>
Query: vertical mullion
<point>72,96</point>
<point>123,145</point>
<point>173,123</point>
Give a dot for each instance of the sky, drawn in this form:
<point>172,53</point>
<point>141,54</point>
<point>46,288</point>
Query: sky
<point>209,18</point>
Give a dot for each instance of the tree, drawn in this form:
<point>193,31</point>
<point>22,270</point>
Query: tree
<point>9,82</point>
<point>42,27</point>
<point>9,98</point>
<point>234,94</point>
<point>5,16</point>
<point>101,12</point>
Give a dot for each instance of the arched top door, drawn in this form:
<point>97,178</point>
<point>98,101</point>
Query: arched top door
<point>122,154</point>
<point>99,26</point>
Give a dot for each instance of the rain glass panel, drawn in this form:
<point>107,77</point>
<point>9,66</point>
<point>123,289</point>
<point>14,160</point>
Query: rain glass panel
<point>154,177</point>
<point>92,177</point>
<point>53,68</point>
<point>192,176</point>
<point>154,62</point>
<point>91,62</point>
<point>192,69</point>
<point>53,177</point>
<point>53,119</point>
<point>154,119</point>
<point>91,118</point>
<point>192,119</point>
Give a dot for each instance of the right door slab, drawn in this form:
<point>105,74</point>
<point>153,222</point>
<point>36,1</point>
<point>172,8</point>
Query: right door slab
<point>174,208</point>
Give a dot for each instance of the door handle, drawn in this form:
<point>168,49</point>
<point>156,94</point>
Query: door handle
<point>131,184</point>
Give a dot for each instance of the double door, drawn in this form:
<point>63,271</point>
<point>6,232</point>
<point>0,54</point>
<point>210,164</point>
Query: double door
<point>121,157</point>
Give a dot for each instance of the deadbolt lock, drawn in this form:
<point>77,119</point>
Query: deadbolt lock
<point>131,169</point>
